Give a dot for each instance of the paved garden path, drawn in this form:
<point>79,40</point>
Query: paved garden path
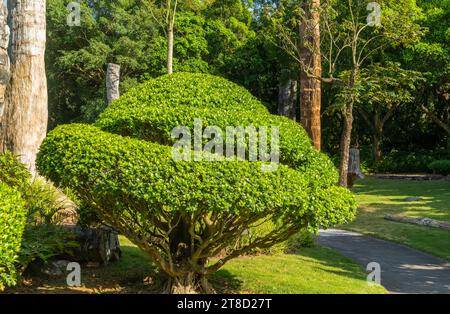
<point>403,270</point>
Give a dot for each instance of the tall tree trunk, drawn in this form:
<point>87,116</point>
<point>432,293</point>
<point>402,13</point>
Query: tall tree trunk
<point>311,71</point>
<point>170,48</point>
<point>345,144</point>
<point>287,98</point>
<point>346,136</point>
<point>26,112</point>
<point>4,61</point>
<point>112,82</point>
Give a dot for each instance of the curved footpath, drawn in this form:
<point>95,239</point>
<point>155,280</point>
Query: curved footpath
<point>403,270</point>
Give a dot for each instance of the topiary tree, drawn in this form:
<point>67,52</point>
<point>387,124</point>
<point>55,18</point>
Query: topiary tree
<point>187,215</point>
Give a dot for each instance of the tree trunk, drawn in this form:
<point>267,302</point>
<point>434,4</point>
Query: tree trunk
<point>376,150</point>
<point>26,114</point>
<point>345,145</point>
<point>170,48</point>
<point>112,82</point>
<point>376,135</point>
<point>287,98</point>
<point>346,136</point>
<point>354,167</point>
<point>188,279</point>
<point>4,61</point>
<point>188,283</point>
<point>310,72</point>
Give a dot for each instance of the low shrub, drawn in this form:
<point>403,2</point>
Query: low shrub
<point>303,239</point>
<point>13,172</point>
<point>440,167</point>
<point>182,213</point>
<point>41,238</point>
<point>12,224</point>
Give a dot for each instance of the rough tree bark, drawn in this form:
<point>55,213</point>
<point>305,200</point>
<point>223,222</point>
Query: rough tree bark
<point>112,82</point>
<point>4,60</point>
<point>287,98</point>
<point>25,116</point>
<point>311,72</point>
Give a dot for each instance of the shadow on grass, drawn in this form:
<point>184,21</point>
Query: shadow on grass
<point>392,195</point>
<point>330,261</point>
<point>225,282</point>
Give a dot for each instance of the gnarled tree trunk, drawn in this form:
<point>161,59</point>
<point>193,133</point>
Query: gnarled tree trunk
<point>311,71</point>
<point>24,123</point>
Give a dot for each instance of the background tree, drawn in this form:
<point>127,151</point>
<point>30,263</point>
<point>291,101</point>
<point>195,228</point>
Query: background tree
<point>348,43</point>
<point>310,70</point>
<point>432,56</point>
<point>383,90</point>
<point>166,19</point>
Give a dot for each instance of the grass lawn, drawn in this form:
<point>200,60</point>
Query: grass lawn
<point>378,197</point>
<point>313,270</point>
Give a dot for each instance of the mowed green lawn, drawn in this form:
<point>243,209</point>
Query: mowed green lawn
<point>378,197</point>
<point>311,271</point>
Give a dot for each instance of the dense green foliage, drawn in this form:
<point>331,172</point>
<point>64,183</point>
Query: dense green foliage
<point>40,236</point>
<point>132,174</point>
<point>440,167</point>
<point>162,204</point>
<point>12,172</point>
<point>144,113</point>
<point>12,223</point>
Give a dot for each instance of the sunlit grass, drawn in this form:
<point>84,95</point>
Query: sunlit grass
<point>312,271</point>
<point>379,197</point>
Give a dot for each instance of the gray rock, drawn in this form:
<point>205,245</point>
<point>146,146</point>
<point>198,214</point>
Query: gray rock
<point>55,268</point>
